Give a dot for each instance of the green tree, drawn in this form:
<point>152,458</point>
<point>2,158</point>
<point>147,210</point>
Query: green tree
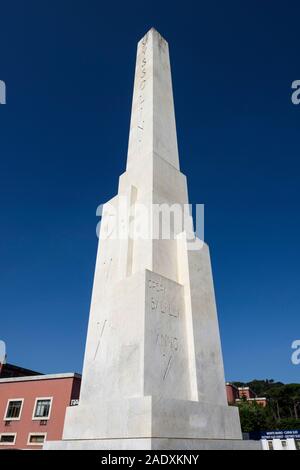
<point>255,417</point>
<point>282,411</point>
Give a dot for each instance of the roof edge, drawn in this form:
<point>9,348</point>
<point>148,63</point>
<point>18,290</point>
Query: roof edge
<point>31,378</point>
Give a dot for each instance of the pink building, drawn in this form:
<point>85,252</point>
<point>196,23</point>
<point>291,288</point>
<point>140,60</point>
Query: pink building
<point>32,408</point>
<point>237,394</point>
<point>232,393</point>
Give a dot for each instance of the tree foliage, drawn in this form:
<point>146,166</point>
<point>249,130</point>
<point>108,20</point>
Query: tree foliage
<point>282,411</point>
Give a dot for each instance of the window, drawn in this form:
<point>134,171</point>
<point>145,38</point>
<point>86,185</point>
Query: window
<point>42,408</point>
<point>7,439</point>
<point>14,409</point>
<point>36,439</point>
<point>284,445</point>
<point>270,444</point>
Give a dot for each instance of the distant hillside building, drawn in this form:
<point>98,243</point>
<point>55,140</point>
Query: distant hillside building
<point>237,394</point>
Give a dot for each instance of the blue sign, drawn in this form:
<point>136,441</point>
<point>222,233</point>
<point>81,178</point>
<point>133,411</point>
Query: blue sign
<point>283,434</point>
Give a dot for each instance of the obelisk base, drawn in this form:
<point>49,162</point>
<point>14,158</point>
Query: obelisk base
<point>142,423</point>
<point>154,444</point>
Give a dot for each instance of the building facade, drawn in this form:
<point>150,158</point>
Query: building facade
<point>32,408</point>
<point>280,440</point>
<point>238,394</point>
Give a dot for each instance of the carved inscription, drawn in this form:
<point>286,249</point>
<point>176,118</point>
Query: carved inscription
<point>168,367</point>
<point>157,286</point>
<point>142,84</point>
<point>167,342</point>
<point>101,331</point>
<point>164,307</point>
<point>160,302</point>
<point>163,304</point>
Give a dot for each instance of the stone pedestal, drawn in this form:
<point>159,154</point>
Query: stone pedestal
<point>154,444</point>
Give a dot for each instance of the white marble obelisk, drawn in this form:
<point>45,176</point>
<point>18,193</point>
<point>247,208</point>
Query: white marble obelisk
<point>153,372</point>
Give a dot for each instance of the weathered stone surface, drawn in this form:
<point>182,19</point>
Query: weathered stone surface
<point>155,444</point>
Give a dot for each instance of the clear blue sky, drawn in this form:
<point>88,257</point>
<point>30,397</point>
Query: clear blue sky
<point>69,67</point>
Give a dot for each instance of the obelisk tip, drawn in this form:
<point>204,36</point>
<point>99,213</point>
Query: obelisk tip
<point>154,32</point>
